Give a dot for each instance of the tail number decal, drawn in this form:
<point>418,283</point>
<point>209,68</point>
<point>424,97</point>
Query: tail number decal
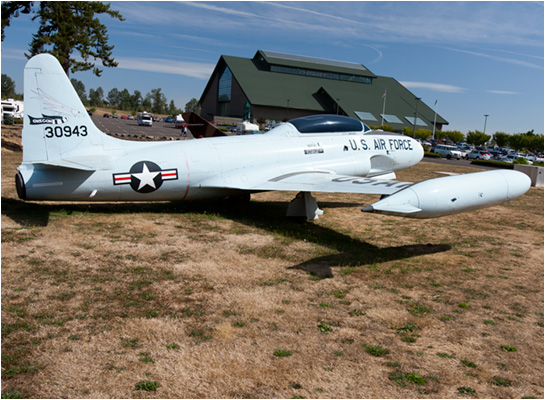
<point>65,131</point>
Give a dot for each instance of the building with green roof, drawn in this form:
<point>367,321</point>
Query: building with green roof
<point>277,86</point>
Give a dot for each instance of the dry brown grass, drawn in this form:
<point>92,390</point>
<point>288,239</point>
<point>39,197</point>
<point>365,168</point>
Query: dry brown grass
<point>200,297</point>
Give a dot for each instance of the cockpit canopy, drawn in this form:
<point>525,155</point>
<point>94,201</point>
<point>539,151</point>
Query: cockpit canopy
<point>328,123</point>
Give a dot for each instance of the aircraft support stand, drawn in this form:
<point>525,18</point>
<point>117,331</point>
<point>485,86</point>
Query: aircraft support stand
<point>304,205</point>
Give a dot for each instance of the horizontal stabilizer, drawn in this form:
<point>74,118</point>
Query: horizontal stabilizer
<point>82,163</point>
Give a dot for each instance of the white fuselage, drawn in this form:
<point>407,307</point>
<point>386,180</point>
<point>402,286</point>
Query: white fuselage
<point>221,162</point>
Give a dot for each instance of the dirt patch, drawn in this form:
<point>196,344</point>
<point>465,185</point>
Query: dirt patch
<point>183,300</point>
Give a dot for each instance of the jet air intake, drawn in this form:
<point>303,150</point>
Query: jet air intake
<point>451,195</point>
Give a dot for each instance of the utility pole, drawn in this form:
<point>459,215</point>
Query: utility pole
<point>434,120</point>
<point>485,118</point>
<point>415,115</point>
<point>383,106</point>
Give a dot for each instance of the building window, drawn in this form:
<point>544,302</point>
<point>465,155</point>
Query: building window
<point>224,89</point>
<point>365,116</point>
<point>320,74</point>
<point>419,122</point>
<point>391,119</point>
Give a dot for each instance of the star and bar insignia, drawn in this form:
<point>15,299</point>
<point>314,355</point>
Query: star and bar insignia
<point>145,177</point>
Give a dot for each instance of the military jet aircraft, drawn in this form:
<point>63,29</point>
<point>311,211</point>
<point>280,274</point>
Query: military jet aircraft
<point>66,157</point>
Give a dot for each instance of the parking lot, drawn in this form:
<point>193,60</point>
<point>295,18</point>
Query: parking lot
<point>129,128</point>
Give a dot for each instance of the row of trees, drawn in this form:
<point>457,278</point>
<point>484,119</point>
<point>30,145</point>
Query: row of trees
<point>154,101</point>
<point>519,141</point>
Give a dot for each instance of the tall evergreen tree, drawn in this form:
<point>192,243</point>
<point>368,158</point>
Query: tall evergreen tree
<point>113,97</point>
<point>67,27</point>
<point>159,101</point>
<point>8,87</point>
<point>79,86</point>
<point>12,9</point>
<point>96,97</point>
<point>192,105</point>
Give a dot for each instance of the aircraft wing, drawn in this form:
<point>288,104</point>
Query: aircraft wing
<point>312,181</point>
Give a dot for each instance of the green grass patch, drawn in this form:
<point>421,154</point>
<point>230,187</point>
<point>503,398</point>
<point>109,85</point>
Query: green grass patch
<point>130,343</point>
<point>469,364</point>
<point>401,378</point>
<point>375,351</point>
<point>148,386</point>
<point>508,348</point>
<point>418,310</point>
<point>466,390</point>
<point>499,381</point>
<point>282,353</point>
<point>324,328</point>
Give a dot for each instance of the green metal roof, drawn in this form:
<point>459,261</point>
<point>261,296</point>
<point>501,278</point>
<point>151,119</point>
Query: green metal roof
<point>273,89</point>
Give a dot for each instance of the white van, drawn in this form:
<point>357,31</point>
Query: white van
<point>448,151</point>
<point>144,120</point>
<point>247,128</point>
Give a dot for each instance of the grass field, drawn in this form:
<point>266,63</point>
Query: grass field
<point>211,300</point>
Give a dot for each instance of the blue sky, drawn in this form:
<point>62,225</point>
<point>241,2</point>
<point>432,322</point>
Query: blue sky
<point>475,58</point>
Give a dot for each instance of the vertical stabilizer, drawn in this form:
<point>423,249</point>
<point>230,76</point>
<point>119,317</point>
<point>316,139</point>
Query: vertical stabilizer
<point>56,123</point>
<point>200,127</point>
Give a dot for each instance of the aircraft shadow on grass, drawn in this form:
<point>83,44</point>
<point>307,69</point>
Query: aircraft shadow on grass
<point>349,251</point>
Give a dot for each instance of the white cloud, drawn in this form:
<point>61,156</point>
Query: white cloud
<point>157,65</point>
<point>14,54</point>
<point>516,61</point>
<point>501,92</point>
<point>437,87</point>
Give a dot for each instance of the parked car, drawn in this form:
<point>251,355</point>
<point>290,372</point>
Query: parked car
<point>448,151</point>
<point>465,150</point>
<point>123,117</point>
<point>115,116</point>
<point>478,155</point>
<point>130,117</point>
<point>510,158</point>
<point>168,119</point>
<point>495,155</point>
<point>144,119</point>
<point>106,115</point>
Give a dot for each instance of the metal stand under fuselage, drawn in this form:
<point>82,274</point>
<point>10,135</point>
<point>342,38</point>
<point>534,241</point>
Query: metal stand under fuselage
<point>304,205</point>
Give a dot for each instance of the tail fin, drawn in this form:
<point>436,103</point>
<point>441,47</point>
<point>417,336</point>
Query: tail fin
<point>56,123</point>
<point>200,127</point>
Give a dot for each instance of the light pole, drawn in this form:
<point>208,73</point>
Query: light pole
<point>415,115</point>
<point>485,118</point>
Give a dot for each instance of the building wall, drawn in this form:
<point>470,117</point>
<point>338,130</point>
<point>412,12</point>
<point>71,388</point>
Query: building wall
<point>209,102</point>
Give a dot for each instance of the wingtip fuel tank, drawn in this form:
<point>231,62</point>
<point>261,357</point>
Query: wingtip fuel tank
<point>450,195</point>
